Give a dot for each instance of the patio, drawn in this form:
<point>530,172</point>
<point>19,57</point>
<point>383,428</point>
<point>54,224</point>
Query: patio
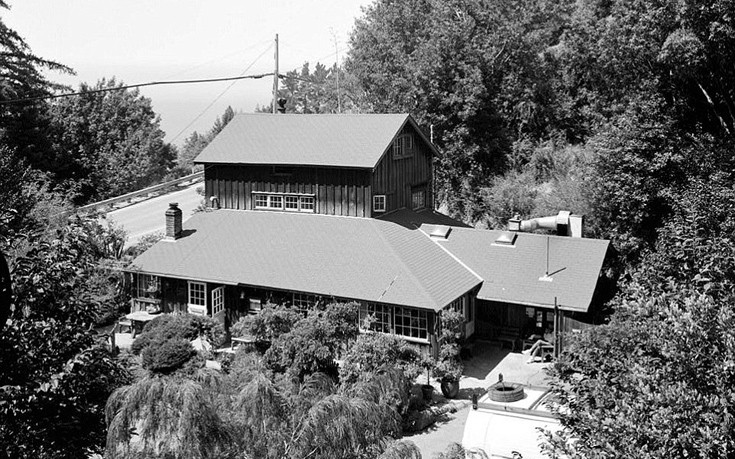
<point>481,371</point>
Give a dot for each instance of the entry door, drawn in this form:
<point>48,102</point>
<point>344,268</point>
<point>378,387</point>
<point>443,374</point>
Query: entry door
<point>218,305</point>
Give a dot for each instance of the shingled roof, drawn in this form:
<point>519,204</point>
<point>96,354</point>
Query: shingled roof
<point>345,140</point>
<point>356,258</point>
<point>516,273</point>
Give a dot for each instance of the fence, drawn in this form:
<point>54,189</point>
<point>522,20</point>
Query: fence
<point>145,193</point>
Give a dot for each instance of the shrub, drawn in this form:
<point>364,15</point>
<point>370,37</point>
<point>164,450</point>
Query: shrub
<point>187,326</point>
<point>167,355</point>
<point>314,341</point>
<point>371,351</point>
<point>269,324</point>
<point>448,365</point>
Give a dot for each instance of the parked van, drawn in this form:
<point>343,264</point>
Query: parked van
<point>507,422</point>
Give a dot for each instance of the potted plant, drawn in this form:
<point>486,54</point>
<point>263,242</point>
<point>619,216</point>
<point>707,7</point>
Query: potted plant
<point>427,363</point>
<point>448,369</point>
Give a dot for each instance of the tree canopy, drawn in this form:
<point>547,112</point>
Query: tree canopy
<point>107,143</point>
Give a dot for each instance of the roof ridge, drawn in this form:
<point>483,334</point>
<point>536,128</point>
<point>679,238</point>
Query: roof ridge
<point>456,258</point>
<point>375,224</point>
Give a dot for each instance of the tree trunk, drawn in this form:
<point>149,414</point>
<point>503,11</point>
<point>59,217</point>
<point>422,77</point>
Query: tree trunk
<point>714,109</point>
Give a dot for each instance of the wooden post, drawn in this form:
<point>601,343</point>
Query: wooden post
<point>557,324</point>
<point>275,80</point>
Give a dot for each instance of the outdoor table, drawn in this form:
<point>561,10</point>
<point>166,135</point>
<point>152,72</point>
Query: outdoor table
<point>139,319</point>
<point>247,340</point>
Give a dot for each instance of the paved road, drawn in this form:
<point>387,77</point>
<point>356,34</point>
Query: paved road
<point>148,216</point>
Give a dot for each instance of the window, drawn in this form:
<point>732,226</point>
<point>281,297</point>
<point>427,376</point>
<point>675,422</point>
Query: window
<point>283,201</point>
<point>255,305</point>
<point>411,323</point>
<point>307,203</point>
<point>261,201</point>
<point>197,298</point>
<point>418,199</point>
<point>379,203</point>
<point>460,305</point>
<point>403,146</point>
<point>218,300</point>
<point>303,301</point>
<point>292,202</point>
<point>381,315</point>
<point>148,286</point>
<point>275,202</point>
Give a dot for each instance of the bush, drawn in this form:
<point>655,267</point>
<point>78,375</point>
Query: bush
<point>186,326</point>
<point>269,324</point>
<point>314,342</point>
<point>167,355</point>
<point>371,351</point>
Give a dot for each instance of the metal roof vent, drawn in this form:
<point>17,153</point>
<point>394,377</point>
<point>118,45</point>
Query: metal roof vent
<point>440,232</point>
<point>506,238</point>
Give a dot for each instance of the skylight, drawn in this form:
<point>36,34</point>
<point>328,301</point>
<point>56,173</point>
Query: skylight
<point>506,238</point>
<point>440,232</point>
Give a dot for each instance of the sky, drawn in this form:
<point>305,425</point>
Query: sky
<point>139,41</point>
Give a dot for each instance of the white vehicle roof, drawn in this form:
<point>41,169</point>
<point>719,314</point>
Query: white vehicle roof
<point>499,429</point>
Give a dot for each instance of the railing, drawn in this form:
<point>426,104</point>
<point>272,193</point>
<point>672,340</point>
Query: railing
<point>145,193</point>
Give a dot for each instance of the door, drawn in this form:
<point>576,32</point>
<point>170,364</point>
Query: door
<point>218,305</point>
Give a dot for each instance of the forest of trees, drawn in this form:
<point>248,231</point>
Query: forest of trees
<point>621,110</point>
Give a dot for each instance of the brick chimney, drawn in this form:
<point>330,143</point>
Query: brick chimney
<point>173,221</point>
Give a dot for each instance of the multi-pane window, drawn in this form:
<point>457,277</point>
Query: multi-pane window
<point>411,322</point>
<point>460,305</point>
<point>218,300</point>
<point>275,202</point>
<point>307,203</point>
<point>403,146</point>
<point>292,202</point>
<point>197,298</point>
<point>380,315</point>
<point>148,286</point>
<point>303,301</point>
<point>418,199</point>
<point>379,203</point>
<point>281,201</point>
<point>261,201</point>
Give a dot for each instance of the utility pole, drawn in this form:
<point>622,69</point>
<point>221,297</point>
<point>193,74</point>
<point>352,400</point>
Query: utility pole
<point>275,80</point>
<point>336,64</point>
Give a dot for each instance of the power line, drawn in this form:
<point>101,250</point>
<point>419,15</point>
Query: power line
<point>223,93</point>
<point>218,59</point>
<point>140,85</point>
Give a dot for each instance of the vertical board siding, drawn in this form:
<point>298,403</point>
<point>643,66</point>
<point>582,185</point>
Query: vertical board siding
<point>336,191</point>
<point>395,177</point>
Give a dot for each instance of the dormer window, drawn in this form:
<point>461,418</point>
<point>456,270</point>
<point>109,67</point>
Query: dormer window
<point>403,146</point>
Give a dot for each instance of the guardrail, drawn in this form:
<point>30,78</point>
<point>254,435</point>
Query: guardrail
<point>145,192</point>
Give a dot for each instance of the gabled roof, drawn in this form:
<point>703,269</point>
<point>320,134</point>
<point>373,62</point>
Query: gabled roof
<point>512,273</point>
<point>357,258</point>
<point>344,140</point>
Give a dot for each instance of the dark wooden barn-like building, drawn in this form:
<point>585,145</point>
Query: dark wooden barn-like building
<point>351,165</point>
<point>309,208</point>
